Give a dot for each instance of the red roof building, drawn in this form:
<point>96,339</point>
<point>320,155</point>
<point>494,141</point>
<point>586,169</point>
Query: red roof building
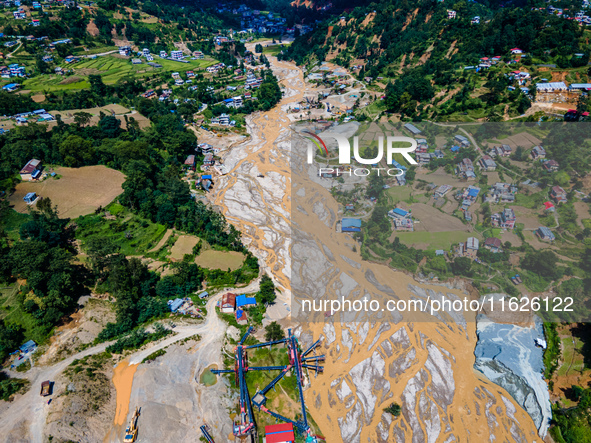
<point>228,303</point>
<point>279,433</point>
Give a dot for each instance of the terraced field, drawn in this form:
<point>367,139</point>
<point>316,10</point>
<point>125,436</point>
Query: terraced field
<point>111,68</point>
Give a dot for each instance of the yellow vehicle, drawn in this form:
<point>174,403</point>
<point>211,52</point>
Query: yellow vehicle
<point>131,430</point>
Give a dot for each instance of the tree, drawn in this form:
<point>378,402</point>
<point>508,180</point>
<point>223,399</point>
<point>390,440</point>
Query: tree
<point>266,292</point>
<point>393,409</point>
<point>110,125</point>
<point>11,337</point>
<point>375,185</point>
<point>462,266</point>
<point>543,263</point>
<point>258,48</point>
<point>82,118</point>
<point>274,332</point>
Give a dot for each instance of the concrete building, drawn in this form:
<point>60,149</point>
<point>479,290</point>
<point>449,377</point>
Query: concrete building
<point>228,303</point>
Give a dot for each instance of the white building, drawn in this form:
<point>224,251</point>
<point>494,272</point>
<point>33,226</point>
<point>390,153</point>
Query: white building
<point>176,55</point>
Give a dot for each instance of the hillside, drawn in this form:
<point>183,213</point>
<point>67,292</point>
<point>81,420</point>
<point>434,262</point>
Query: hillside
<point>435,53</point>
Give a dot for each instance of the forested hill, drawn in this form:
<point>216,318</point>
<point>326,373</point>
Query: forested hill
<point>383,36</point>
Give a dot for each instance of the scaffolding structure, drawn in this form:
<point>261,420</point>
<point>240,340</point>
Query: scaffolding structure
<point>245,425</point>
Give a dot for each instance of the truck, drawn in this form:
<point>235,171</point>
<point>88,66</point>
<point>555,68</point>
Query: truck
<point>45,388</point>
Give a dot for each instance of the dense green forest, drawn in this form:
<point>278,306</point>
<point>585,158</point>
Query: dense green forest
<point>398,28</point>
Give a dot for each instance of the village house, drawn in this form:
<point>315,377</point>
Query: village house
<point>228,303</point>
<point>469,248</point>
<point>208,160</point>
<point>125,50</point>
<point>402,219</point>
<point>468,196</point>
<point>442,190</point>
<point>538,152</point>
<point>241,317</point>
<point>500,151</point>
<point>465,169</point>
<point>190,162</point>
<point>551,165</point>
<point>31,171</point>
<point>176,55</point>
<point>558,194</point>
<point>350,225</point>
<point>463,141</point>
<point>493,244</point>
<point>505,219</point>
<point>501,193</point>
<point>545,234</point>
<point>487,163</point>
<point>242,301</point>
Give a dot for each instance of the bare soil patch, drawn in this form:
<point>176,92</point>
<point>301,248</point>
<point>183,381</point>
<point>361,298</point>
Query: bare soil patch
<point>582,210</point>
<point>79,191</point>
<point>184,245</point>
<point>223,260</point>
<point>433,220</point>
<point>440,177</point>
<point>92,29</point>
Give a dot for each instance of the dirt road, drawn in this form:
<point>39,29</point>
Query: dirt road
<point>35,408</point>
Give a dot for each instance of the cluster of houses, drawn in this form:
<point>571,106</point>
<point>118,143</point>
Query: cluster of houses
<point>39,116</point>
<point>505,219</point>
<point>13,70</point>
<point>236,304</point>
<point>215,68</point>
<point>401,219</point>
<point>468,196</point>
<point>500,151</point>
<point>185,306</point>
<point>465,169</point>
<point>501,193</point>
<point>253,20</point>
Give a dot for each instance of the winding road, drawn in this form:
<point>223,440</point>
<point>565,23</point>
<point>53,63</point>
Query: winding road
<point>36,408</point>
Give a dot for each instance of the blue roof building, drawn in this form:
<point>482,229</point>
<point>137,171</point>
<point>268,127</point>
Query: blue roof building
<point>28,346</point>
<point>398,165</point>
<point>243,300</point>
<point>206,177</point>
<point>351,225</point>
<point>399,212</point>
<point>204,294</point>
<point>175,304</point>
<point>473,192</point>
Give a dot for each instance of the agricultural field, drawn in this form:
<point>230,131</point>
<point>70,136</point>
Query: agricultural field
<point>431,240</point>
<point>433,220</point>
<point>183,246</point>
<point>78,191</point>
<point>111,68</point>
<point>223,260</point>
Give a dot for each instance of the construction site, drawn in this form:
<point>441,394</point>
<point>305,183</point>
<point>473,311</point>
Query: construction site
<point>299,364</point>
